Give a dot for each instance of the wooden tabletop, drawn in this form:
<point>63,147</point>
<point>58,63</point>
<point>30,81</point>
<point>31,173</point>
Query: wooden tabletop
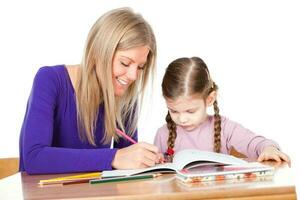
<point>280,186</point>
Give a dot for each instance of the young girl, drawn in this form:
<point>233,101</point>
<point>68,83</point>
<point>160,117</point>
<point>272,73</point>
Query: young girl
<point>188,90</point>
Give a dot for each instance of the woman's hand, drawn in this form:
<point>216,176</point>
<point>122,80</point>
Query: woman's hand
<point>272,153</point>
<point>138,155</point>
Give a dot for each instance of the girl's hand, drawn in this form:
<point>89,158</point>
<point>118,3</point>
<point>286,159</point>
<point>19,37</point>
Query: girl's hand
<point>272,153</point>
<point>138,155</point>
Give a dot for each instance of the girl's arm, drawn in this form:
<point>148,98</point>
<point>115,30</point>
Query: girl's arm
<point>249,143</point>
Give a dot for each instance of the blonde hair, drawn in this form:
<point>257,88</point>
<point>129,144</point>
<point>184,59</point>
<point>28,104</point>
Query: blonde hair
<point>118,29</point>
<point>190,76</point>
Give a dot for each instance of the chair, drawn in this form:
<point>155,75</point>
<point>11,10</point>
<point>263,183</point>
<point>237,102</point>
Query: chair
<point>8,166</point>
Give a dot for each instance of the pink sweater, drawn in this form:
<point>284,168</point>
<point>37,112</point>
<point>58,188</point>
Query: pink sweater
<point>232,135</point>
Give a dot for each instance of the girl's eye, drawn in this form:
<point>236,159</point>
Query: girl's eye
<point>124,64</point>
<point>173,111</point>
<point>190,111</point>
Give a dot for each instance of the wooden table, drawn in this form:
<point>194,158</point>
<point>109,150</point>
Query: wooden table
<point>280,186</point>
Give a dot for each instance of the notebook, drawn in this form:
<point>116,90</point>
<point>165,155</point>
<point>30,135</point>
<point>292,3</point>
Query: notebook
<point>184,160</point>
<point>217,172</point>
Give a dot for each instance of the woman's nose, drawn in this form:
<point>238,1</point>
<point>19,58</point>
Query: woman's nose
<point>132,73</point>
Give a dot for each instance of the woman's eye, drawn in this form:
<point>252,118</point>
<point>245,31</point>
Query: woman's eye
<point>141,67</point>
<point>173,111</point>
<point>124,64</point>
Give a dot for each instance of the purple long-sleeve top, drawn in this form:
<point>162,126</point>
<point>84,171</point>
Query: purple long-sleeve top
<point>233,135</point>
<point>49,140</point>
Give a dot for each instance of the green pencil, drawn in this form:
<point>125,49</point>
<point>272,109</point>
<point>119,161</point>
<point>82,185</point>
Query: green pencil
<point>124,178</point>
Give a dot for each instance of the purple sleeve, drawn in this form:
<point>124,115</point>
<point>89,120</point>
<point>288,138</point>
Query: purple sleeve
<point>38,156</point>
<point>244,140</point>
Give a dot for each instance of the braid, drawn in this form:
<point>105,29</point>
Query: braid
<point>172,133</point>
<point>217,125</point>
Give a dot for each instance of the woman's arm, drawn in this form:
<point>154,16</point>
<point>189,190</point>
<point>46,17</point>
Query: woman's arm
<point>38,156</point>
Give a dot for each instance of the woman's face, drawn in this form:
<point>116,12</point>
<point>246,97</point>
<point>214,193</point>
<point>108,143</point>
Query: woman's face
<point>127,66</point>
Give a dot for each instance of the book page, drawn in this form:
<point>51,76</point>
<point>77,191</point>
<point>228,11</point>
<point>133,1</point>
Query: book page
<point>181,159</point>
<point>233,171</point>
<point>166,167</point>
<point>185,157</point>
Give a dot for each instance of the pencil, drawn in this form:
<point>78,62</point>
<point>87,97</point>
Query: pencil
<point>55,182</point>
<point>121,133</point>
<point>76,182</point>
<point>86,176</point>
<point>125,178</point>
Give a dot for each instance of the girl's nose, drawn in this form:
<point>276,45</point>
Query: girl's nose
<point>182,118</point>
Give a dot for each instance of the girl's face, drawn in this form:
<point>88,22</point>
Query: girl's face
<point>127,66</point>
<point>188,111</point>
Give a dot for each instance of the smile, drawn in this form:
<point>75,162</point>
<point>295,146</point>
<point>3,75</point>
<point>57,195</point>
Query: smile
<point>122,82</point>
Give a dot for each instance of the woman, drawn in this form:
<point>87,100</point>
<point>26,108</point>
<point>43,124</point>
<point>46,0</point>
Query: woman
<point>73,111</point>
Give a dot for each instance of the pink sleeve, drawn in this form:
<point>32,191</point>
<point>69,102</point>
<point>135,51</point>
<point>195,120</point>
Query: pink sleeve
<point>244,140</point>
<point>160,139</point>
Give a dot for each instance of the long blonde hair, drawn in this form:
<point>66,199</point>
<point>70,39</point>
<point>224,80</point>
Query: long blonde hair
<point>118,29</point>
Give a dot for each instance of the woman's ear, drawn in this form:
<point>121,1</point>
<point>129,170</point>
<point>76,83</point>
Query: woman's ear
<point>211,98</point>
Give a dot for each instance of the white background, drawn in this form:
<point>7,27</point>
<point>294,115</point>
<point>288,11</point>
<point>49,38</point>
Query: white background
<point>251,48</point>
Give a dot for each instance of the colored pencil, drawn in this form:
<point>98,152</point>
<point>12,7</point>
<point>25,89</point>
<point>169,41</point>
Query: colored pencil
<point>124,135</point>
<point>80,177</point>
<point>124,178</point>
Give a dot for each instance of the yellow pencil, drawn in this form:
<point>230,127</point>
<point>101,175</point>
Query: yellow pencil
<point>86,175</point>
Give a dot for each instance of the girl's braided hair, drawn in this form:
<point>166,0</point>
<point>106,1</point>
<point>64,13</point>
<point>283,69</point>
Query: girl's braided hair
<point>189,76</point>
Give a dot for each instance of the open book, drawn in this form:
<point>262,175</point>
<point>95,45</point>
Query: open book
<point>185,161</point>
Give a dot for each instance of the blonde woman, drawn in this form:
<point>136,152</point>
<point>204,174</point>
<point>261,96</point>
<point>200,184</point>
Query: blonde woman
<point>73,111</point>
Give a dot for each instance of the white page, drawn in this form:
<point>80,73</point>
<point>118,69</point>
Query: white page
<point>181,159</point>
<point>187,156</point>
<point>160,167</point>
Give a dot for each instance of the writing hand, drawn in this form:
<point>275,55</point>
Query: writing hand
<point>139,155</point>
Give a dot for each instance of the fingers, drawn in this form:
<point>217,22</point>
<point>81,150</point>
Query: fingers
<point>278,157</point>
<point>150,156</point>
<point>265,157</point>
<point>149,147</point>
<point>161,158</point>
<point>260,158</point>
<point>284,157</point>
<point>273,153</point>
<point>148,162</point>
<point>138,155</point>
<point>146,154</point>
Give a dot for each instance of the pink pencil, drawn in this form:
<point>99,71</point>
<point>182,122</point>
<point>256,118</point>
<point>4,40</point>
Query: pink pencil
<point>121,133</point>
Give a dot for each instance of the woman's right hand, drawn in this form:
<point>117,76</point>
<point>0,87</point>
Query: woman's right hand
<point>138,155</point>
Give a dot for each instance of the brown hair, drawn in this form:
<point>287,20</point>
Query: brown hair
<point>189,76</point>
<point>118,29</point>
